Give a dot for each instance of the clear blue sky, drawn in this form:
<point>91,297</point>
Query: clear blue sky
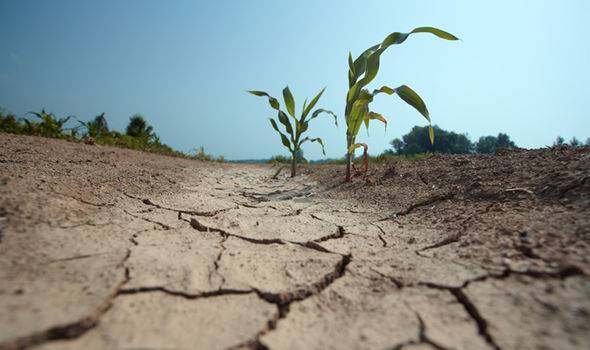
<point>522,67</point>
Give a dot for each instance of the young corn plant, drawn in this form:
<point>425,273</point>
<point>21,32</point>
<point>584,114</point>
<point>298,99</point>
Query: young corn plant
<point>48,126</point>
<point>360,73</point>
<point>295,130</point>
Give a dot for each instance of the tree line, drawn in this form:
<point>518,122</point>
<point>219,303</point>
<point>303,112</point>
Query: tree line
<point>416,142</point>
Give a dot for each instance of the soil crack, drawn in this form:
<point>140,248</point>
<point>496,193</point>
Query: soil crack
<point>283,301</point>
<point>74,329</point>
<point>162,225</point>
<point>482,324</point>
<point>149,202</point>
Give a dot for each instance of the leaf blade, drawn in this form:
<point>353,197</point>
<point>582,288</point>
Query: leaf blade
<point>285,121</point>
<point>289,101</point>
<point>319,111</point>
<point>413,99</point>
<point>274,103</point>
<point>317,139</point>
<point>435,31</point>
<point>311,104</point>
<point>284,138</point>
<point>374,116</point>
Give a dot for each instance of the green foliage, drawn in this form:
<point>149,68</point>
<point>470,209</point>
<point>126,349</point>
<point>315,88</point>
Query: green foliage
<point>279,159</point>
<point>489,144</point>
<point>416,142</point>
<point>574,142</point>
<point>360,73</point>
<point>385,157</point>
<point>559,141</point>
<point>448,142</point>
<point>139,128</point>
<point>96,128</point>
<point>292,137</point>
<point>199,153</point>
<point>47,125</point>
<point>139,136</point>
<point>9,123</point>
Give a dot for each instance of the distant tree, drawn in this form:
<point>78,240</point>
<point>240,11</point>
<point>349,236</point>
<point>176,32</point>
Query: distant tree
<point>417,141</point>
<point>574,142</point>
<point>588,141</point>
<point>486,145</point>
<point>503,141</point>
<point>9,123</point>
<point>559,141</point>
<point>489,144</point>
<point>139,128</point>
<point>397,145</point>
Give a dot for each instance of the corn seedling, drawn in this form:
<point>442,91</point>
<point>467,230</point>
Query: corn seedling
<point>360,73</point>
<point>294,141</point>
<point>95,128</point>
<point>49,125</point>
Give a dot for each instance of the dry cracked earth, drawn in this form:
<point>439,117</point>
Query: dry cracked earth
<point>104,248</point>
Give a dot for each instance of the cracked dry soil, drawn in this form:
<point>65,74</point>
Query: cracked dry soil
<point>104,248</point>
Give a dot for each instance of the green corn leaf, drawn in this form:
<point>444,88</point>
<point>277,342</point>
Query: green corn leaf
<point>409,96</point>
<point>64,120</point>
<point>289,101</point>
<point>413,99</point>
<point>309,107</point>
<point>384,89</point>
<point>438,32</point>
<point>363,99</point>
<point>351,75</point>
<point>360,63</point>
<point>284,119</point>
<point>274,103</point>
<point>317,139</point>
<point>319,111</point>
<point>304,127</point>
<point>284,138</point>
<point>368,62</point>
<point>359,110</point>
<point>38,115</point>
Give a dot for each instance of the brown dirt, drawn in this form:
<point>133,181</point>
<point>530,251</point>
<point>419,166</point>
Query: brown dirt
<point>105,248</point>
<point>520,207</point>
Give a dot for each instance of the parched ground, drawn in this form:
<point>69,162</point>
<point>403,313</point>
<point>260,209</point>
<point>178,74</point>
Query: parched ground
<point>104,248</point>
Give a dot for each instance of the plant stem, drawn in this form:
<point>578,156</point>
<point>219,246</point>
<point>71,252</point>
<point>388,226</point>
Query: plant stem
<point>293,163</point>
<point>348,158</point>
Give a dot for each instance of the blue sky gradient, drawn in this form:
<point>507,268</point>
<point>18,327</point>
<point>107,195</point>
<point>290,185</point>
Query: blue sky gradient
<point>521,67</point>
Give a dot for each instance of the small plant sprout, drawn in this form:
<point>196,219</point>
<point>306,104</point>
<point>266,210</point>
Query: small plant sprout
<point>360,73</point>
<point>295,130</point>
